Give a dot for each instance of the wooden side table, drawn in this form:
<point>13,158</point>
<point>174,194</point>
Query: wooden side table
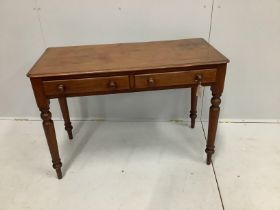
<point>63,72</point>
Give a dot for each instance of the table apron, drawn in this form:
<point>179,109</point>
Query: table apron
<point>128,83</point>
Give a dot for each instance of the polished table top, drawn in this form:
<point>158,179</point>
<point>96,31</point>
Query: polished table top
<point>78,60</point>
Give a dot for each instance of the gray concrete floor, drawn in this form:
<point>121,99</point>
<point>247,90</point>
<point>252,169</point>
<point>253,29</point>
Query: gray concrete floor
<point>140,165</point>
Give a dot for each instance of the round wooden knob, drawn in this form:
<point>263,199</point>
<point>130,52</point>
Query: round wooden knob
<point>112,84</point>
<point>151,82</point>
<point>198,78</point>
<point>61,88</point>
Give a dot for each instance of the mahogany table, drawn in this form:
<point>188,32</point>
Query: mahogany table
<point>63,72</point>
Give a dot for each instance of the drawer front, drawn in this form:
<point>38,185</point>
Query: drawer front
<point>170,79</point>
<point>87,85</point>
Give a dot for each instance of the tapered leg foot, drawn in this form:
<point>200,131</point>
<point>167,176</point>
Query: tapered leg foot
<point>57,166</point>
<point>70,135</point>
<point>193,112</point>
<point>193,117</point>
<point>59,173</point>
<point>69,128</point>
<point>209,156</point>
<point>209,160</point>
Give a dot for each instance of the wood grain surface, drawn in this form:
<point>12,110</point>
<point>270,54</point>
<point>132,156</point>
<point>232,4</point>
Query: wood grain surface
<point>122,57</point>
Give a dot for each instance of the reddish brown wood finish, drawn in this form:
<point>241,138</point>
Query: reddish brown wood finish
<point>86,85</point>
<point>105,69</point>
<point>43,105</point>
<point>125,57</point>
<point>217,90</point>
<point>193,112</point>
<point>143,81</point>
<point>65,113</point>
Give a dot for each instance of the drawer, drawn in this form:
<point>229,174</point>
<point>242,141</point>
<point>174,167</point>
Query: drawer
<point>179,78</point>
<point>85,86</point>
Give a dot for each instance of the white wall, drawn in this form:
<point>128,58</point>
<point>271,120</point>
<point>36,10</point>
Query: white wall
<point>20,45</point>
<point>247,32</point>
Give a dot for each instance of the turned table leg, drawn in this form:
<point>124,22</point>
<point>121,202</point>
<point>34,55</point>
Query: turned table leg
<point>65,114</point>
<point>213,123</point>
<point>193,111</point>
<point>51,138</point>
<point>217,90</point>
